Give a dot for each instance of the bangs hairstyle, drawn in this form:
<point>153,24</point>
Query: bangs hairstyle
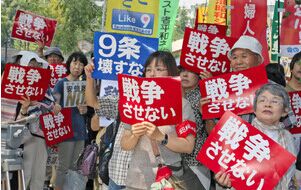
<point>166,58</point>
<point>76,56</point>
<point>275,72</point>
<point>296,58</point>
<point>276,90</point>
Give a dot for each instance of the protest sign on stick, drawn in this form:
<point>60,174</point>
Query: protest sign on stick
<point>31,27</point>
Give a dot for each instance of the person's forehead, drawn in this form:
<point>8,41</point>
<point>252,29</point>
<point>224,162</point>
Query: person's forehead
<point>53,55</point>
<point>238,51</point>
<point>183,69</point>
<point>74,60</point>
<point>267,93</point>
<point>34,61</point>
<point>156,63</point>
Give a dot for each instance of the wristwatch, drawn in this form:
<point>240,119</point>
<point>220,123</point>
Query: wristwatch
<point>165,140</point>
<point>97,111</point>
<point>23,114</point>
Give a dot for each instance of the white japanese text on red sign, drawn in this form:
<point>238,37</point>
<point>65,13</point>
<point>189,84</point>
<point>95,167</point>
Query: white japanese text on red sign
<point>256,147</point>
<point>198,43</point>
<point>54,132</point>
<point>150,91</point>
<point>17,76</point>
<point>217,89</point>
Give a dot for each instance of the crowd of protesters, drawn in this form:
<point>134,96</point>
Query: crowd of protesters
<point>133,164</point>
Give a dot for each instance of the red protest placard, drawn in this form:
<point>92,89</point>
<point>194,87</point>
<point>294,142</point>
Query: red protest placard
<point>58,71</point>
<point>212,28</point>
<point>291,24</point>
<point>250,17</point>
<point>233,91</point>
<point>295,98</point>
<point>20,81</point>
<point>250,157</point>
<point>31,27</point>
<point>202,51</point>
<point>57,128</point>
<point>157,100</point>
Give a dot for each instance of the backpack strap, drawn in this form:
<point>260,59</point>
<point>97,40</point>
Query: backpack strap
<point>115,130</point>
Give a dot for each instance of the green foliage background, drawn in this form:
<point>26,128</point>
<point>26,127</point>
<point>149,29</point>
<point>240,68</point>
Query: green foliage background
<point>77,20</point>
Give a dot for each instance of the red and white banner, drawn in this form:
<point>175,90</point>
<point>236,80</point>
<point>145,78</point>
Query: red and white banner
<point>186,128</point>
<point>18,81</point>
<point>290,35</point>
<point>212,28</point>
<point>252,23</point>
<point>31,27</point>
<point>58,71</point>
<point>57,128</point>
<point>157,100</point>
<point>203,51</point>
<point>250,157</point>
<point>295,98</point>
<point>233,91</point>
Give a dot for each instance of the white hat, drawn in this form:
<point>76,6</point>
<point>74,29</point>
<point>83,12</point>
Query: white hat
<point>27,56</point>
<point>247,42</point>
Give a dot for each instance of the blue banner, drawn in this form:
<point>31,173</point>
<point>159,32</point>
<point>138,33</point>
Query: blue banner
<point>142,23</point>
<point>120,53</point>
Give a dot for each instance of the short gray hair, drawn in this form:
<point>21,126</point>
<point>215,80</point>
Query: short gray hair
<point>276,90</point>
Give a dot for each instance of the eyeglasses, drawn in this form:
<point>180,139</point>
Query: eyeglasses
<point>274,101</point>
<point>156,70</point>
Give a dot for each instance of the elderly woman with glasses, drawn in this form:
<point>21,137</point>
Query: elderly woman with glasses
<point>271,103</point>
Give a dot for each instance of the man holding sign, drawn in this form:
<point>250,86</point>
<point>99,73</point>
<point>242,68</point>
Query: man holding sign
<point>246,53</point>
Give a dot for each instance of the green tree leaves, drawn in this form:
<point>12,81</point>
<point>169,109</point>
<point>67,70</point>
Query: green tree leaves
<point>77,20</point>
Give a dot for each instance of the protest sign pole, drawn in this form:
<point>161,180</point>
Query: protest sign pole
<point>278,27</point>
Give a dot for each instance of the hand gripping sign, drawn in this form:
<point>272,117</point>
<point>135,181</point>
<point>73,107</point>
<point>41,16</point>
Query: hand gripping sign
<point>233,91</point>
<point>21,81</point>
<point>295,98</point>
<point>250,157</point>
<point>157,100</point>
<point>31,27</point>
<point>57,128</point>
